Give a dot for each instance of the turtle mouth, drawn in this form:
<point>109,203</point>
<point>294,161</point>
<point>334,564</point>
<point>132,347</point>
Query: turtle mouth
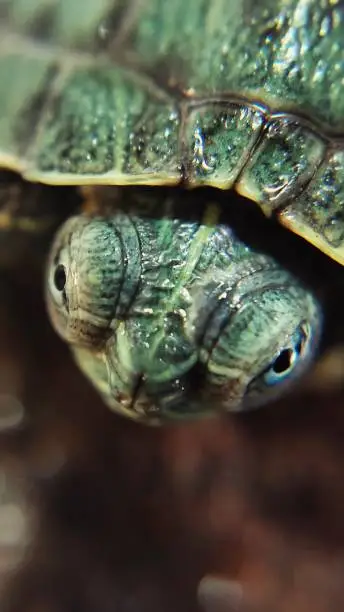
<point>176,399</point>
<point>181,398</point>
<point>146,401</point>
<point>136,403</point>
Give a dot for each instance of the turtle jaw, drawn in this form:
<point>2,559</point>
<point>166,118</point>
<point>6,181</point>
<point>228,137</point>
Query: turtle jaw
<point>123,393</point>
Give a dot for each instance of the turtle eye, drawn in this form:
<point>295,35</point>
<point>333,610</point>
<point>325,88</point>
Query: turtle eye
<point>60,277</point>
<point>286,362</point>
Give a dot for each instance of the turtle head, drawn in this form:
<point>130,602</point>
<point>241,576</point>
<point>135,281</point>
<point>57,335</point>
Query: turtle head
<point>168,333</point>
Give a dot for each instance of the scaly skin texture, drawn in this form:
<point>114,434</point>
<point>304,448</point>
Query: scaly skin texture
<point>172,319</point>
<point>248,94</point>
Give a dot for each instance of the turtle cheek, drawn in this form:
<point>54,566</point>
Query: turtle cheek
<point>227,391</point>
<point>82,332</point>
<point>89,323</point>
<point>74,323</point>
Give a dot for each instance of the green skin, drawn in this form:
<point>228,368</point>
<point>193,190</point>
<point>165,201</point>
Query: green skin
<point>246,94</point>
<point>173,319</point>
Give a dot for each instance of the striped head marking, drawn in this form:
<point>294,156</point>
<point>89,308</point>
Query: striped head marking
<point>83,279</point>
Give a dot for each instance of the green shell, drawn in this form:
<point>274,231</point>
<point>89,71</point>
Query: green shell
<point>239,94</point>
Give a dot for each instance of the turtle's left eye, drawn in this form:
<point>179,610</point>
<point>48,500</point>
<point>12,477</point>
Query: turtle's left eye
<point>289,358</point>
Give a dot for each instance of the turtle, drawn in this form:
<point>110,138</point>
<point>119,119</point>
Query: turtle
<point>140,107</point>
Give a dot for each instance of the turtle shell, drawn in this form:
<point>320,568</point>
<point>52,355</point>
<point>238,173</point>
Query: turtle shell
<point>240,94</point>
